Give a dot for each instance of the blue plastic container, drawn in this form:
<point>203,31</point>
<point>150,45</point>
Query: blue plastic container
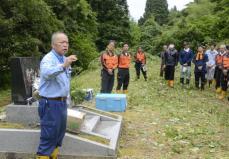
<point>111,102</point>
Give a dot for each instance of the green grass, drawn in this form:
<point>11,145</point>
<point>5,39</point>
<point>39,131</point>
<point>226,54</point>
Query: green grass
<point>4,97</point>
<point>6,125</point>
<point>165,123</point>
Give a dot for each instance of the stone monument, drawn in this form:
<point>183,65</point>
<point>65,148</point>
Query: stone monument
<point>24,70</point>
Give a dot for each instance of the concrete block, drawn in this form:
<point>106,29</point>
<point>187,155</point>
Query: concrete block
<point>23,114</point>
<point>26,141</point>
<point>75,120</point>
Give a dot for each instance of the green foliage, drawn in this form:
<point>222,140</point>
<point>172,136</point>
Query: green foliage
<point>26,28</point>
<point>76,15</point>
<point>135,33</point>
<point>86,50</point>
<point>202,22</point>
<point>222,11</point>
<point>150,31</point>
<point>156,8</point>
<point>113,19</point>
<point>77,95</point>
<point>80,26</point>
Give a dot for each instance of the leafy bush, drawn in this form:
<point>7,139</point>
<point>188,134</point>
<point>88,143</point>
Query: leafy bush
<point>77,96</point>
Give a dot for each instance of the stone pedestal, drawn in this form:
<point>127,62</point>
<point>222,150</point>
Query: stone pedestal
<point>22,114</point>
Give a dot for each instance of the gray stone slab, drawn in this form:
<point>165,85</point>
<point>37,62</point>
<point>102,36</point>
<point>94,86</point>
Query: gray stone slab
<point>111,130</point>
<point>101,124</point>
<point>23,114</point>
<point>103,114</point>
<point>13,155</point>
<point>26,141</point>
<point>90,122</point>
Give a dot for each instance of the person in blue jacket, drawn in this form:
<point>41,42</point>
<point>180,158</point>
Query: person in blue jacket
<point>200,60</point>
<point>54,89</point>
<point>185,59</point>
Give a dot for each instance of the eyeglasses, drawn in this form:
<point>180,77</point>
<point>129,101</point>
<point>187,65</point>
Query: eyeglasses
<point>63,42</point>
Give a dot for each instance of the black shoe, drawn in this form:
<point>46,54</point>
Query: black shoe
<point>197,85</point>
<point>187,81</point>
<point>202,87</point>
<point>209,83</point>
<point>182,81</point>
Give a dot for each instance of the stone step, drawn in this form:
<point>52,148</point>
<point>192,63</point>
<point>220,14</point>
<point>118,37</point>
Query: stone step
<point>89,123</point>
<point>107,128</point>
<point>96,134</point>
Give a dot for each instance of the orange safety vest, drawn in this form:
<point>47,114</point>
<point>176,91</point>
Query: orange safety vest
<point>219,59</point>
<point>140,56</point>
<point>124,60</point>
<point>109,62</point>
<point>226,61</point>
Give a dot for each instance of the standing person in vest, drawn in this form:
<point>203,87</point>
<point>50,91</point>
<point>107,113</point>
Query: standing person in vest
<point>211,53</point>
<point>140,63</point>
<point>185,58</point>
<point>162,55</point>
<point>54,89</point>
<point>225,74</point>
<point>123,76</point>
<point>171,60</point>
<point>218,69</point>
<point>109,63</point>
<point>200,60</point>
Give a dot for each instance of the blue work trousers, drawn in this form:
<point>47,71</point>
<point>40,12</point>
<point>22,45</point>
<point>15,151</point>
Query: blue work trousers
<point>53,119</point>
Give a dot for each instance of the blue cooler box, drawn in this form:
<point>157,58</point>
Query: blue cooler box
<point>111,102</point>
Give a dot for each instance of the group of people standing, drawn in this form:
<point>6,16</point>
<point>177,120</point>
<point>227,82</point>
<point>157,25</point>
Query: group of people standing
<point>55,73</point>
<point>211,66</point>
<point>110,61</point>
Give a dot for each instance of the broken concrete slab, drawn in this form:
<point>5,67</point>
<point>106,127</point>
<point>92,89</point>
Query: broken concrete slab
<point>26,141</point>
<point>106,126</point>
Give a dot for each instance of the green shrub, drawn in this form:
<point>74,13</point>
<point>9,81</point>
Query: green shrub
<point>77,96</point>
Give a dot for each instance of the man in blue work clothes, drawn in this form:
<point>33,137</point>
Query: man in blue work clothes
<point>54,89</point>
